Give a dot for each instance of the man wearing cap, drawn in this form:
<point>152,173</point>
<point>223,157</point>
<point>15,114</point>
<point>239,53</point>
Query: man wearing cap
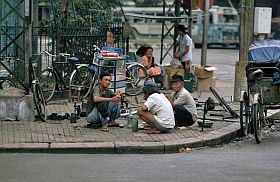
<point>184,106</point>
<point>157,110</point>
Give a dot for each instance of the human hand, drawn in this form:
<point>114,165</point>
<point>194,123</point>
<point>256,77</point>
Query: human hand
<point>178,54</point>
<point>116,99</point>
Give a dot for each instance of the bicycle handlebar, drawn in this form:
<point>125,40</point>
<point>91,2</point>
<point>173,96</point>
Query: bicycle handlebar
<point>97,48</point>
<point>52,55</point>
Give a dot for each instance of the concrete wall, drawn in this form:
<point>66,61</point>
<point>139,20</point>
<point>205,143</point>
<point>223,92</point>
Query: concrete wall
<point>15,105</point>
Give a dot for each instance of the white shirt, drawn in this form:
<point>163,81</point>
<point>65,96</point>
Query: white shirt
<point>184,42</point>
<point>184,98</point>
<point>160,106</point>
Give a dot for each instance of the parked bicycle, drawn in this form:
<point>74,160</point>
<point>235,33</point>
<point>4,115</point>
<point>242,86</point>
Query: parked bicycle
<point>5,80</point>
<point>38,97</point>
<point>54,78</point>
<point>134,81</point>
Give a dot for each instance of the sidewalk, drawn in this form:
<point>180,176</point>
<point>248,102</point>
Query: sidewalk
<point>61,136</point>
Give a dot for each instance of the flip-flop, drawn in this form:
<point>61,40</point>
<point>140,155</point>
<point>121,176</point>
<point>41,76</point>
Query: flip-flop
<point>113,125</point>
<point>105,129</point>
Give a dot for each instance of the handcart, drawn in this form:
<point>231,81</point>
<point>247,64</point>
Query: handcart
<point>263,87</point>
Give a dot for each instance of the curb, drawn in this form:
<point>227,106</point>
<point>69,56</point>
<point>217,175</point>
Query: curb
<point>214,138</point>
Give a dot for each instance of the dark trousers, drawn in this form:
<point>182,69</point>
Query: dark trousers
<point>182,116</point>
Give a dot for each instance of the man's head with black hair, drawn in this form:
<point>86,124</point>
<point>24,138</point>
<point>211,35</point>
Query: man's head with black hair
<point>149,88</point>
<point>181,29</point>
<point>104,74</point>
<point>105,79</point>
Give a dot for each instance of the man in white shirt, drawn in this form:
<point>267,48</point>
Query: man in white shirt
<point>182,102</point>
<point>184,48</point>
<point>157,110</point>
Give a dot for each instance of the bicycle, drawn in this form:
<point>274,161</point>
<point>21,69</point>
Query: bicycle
<point>134,82</point>
<point>5,80</point>
<point>38,97</point>
<point>53,79</point>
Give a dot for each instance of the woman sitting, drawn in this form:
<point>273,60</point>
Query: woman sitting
<point>148,62</point>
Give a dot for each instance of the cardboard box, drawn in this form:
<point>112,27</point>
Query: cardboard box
<point>179,71</point>
<point>204,71</point>
<point>204,84</point>
<point>167,68</point>
<point>166,82</point>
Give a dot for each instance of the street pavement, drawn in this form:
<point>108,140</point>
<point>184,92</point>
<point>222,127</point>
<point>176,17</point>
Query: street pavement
<point>61,136</point>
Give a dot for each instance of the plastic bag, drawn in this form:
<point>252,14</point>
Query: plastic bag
<point>175,63</point>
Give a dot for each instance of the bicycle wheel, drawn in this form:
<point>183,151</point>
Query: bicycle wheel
<point>39,101</point>
<point>6,83</point>
<point>244,115</point>
<point>48,82</point>
<point>257,119</point>
<point>82,77</point>
<point>135,77</point>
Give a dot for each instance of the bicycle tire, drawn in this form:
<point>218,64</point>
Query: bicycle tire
<point>39,101</point>
<point>135,82</point>
<point>257,121</point>
<point>48,81</point>
<point>6,83</point>
<point>244,111</point>
<point>82,76</point>
<point>223,103</point>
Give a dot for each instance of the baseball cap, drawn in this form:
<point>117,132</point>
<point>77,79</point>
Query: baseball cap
<point>176,78</point>
<point>150,83</point>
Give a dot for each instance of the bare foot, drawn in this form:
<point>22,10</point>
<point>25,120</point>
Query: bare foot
<point>153,131</point>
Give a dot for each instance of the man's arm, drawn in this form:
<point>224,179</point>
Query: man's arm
<point>144,107</point>
<point>170,100</point>
<point>104,99</point>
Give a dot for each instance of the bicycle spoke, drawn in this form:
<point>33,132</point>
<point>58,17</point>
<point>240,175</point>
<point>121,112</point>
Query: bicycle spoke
<point>136,76</point>
<point>48,83</point>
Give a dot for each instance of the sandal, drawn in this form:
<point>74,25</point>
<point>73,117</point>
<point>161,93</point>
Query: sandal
<point>105,128</point>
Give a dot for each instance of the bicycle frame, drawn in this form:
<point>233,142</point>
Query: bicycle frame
<point>26,88</point>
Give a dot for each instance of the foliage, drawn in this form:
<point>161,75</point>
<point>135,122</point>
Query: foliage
<point>83,12</point>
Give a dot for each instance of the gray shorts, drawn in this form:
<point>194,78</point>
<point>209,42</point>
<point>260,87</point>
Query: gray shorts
<point>160,126</point>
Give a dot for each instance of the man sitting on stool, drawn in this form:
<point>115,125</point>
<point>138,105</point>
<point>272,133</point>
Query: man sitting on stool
<point>183,104</point>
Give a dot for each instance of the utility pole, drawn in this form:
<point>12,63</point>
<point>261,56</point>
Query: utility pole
<point>245,39</point>
<point>205,33</point>
<point>28,41</point>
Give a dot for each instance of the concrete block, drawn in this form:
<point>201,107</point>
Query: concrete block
<point>139,147</point>
<point>15,105</point>
<point>87,148</point>
<point>25,147</point>
<point>175,146</point>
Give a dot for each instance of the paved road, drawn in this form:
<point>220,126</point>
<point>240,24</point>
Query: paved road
<point>239,161</point>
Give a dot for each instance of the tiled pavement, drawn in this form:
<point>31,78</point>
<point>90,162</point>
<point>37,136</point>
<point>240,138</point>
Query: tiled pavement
<point>62,131</point>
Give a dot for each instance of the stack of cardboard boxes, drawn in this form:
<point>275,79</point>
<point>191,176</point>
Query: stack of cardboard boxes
<point>170,72</point>
<point>205,77</point>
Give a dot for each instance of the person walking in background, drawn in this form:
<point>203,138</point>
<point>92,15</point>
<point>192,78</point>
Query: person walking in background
<point>184,48</point>
<point>157,110</point>
<point>182,102</point>
<point>103,107</point>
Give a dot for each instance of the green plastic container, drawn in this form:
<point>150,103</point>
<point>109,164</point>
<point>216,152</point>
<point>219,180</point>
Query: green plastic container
<point>135,124</point>
<point>189,82</point>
